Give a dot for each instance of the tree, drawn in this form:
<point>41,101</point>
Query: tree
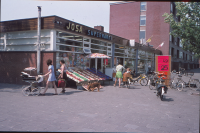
<point>187,28</point>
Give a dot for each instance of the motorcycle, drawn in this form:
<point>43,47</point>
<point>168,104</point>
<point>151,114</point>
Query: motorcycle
<point>161,88</point>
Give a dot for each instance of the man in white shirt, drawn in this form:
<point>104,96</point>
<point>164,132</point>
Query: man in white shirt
<point>119,74</point>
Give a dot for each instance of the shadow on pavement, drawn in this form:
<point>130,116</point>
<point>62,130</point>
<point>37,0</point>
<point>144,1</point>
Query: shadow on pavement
<point>167,99</point>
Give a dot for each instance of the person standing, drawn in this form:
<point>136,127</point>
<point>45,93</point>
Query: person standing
<point>63,75</point>
<point>118,74</point>
<point>52,77</point>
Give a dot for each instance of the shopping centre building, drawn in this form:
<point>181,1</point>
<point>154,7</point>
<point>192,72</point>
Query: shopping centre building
<point>70,41</point>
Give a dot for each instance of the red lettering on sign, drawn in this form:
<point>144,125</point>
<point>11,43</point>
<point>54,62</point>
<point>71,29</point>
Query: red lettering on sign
<point>163,67</point>
<point>163,59</point>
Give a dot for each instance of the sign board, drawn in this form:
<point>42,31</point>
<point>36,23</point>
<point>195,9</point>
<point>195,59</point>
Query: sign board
<point>163,65</point>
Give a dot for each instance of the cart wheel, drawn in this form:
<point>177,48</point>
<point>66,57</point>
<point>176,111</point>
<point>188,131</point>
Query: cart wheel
<point>26,90</point>
<point>36,91</point>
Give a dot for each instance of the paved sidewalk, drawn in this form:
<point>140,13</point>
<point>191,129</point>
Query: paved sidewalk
<point>113,109</point>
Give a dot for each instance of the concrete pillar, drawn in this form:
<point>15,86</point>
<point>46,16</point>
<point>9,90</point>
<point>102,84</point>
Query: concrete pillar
<point>53,40</point>
<point>113,55</point>
<point>5,42</point>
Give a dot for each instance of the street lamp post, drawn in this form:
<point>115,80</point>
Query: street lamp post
<point>38,39</point>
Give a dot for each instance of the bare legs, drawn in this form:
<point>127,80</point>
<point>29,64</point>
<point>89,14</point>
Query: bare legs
<point>47,84</point>
<point>116,81</point>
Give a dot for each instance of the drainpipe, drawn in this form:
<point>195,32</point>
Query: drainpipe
<point>38,39</point>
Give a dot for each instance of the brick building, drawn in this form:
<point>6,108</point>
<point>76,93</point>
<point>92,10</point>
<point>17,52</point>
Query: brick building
<point>141,20</point>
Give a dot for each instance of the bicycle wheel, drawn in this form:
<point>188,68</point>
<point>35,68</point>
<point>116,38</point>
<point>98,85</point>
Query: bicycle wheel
<point>143,82</point>
<point>36,91</point>
<point>151,87</point>
<point>26,90</point>
<point>180,86</point>
<point>193,84</point>
<point>173,85</point>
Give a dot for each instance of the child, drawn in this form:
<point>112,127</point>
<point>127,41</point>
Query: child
<point>127,75</point>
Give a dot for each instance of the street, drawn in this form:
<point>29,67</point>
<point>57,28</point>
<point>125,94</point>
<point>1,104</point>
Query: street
<point>113,109</point>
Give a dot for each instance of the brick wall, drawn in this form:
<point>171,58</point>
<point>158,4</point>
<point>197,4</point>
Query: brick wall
<point>125,20</point>
<point>156,26</point>
<point>13,63</point>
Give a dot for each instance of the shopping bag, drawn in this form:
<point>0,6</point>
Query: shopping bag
<point>61,83</point>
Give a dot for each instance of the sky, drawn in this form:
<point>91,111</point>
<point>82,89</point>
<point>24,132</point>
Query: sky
<point>89,13</point>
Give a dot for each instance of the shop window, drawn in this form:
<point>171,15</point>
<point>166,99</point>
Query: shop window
<point>87,51</point>
<point>98,47</point>
<point>119,50</point>
<point>119,54</point>
<point>70,36</point>
<point>86,45</point>
<point>109,44</point>
<point>143,6</point>
<point>98,51</point>
<point>142,20</point>
<point>95,41</point>
<point>103,43</point>
<point>69,42</point>
<point>142,34</point>
<point>109,53</point>
<point>86,40</point>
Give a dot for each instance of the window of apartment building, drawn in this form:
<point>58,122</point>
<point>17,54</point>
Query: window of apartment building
<point>180,44</point>
<point>181,55</point>
<point>177,55</point>
<point>143,6</point>
<point>142,34</point>
<point>171,7</point>
<point>171,38</point>
<point>192,58</point>
<point>178,41</point>
<point>172,52</point>
<point>142,20</point>
<point>188,57</point>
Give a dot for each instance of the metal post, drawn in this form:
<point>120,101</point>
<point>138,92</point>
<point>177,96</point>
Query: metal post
<point>113,54</point>
<point>38,39</point>
<point>136,61</point>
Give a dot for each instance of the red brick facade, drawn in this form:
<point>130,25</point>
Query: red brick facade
<point>13,63</point>
<point>156,26</point>
<point>125,20</point>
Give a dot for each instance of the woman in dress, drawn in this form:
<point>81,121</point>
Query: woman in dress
<point>63,74</point>
<point>119,68</point>
<point>52,77</point>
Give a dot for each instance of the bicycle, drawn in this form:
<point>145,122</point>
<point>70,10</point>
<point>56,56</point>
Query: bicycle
<point>180,84</point>
<point>142,79</point>
<point>153,80</point>
<point>32,89</point>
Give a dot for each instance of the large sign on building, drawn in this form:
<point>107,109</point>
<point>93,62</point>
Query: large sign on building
<point>163,65</point>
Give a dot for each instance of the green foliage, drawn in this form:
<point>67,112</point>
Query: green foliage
<point>188,29</point>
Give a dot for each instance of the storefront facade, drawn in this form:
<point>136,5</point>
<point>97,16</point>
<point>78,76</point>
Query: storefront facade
<point>68,40</point>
